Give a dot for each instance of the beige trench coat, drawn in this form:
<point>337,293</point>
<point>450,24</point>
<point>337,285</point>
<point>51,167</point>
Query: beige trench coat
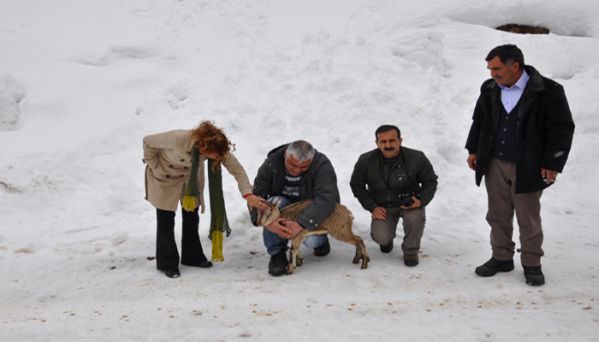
<point>168,158</point>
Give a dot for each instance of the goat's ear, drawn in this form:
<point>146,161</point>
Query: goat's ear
<point>258,218</point>
<point>276,202</point>
<point>262,216</point>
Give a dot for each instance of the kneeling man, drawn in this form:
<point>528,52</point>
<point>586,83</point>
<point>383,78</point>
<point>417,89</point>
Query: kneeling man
<point>393,181</point>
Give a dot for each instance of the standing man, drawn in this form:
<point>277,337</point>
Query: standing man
<point>292,173</point>
<point>519,140</point>
<point>393,181</point>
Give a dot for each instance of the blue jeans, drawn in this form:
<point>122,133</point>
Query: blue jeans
<point>276,244</point>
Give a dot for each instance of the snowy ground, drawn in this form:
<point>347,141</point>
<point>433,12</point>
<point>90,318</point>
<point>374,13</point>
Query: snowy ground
<point>93,77</point>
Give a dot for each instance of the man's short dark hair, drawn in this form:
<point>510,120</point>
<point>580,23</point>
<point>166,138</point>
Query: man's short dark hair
<point>386,128</point>
<point>508,54</point>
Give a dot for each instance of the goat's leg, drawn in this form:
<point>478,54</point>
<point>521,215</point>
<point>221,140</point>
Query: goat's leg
<point>295,254</point>
<point>361,253</point>
<point>299,259</point>
<point>344,233</point>
<point>294,251</point>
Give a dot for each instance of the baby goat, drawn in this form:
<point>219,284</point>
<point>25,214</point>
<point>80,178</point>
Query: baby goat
<point>338,224</point>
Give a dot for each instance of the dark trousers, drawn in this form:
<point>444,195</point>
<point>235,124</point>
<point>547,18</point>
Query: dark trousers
<point>167,255</point>
<point>383,231</point>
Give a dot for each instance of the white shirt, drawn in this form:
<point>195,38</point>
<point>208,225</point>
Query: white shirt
<point>511,95</point>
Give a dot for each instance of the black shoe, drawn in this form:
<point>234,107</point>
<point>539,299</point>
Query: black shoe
<point>203,263</point>
<point>173,273</point>
<point>387,248</point>
<point>278,264</point>
<point>534,276</point>
<point>410,260</point>
<point>323,250</point>
<point>491,267</point>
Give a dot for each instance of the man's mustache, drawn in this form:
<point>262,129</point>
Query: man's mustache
<point>389,149</point>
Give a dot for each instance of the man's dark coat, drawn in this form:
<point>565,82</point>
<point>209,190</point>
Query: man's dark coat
<point>318,183</point>
<point>544,130</point>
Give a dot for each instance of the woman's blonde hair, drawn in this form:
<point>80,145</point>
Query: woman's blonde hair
<point>211,139</point>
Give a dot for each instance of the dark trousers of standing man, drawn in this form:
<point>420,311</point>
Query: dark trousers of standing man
<point>167,255</point>
<point>500,181</point>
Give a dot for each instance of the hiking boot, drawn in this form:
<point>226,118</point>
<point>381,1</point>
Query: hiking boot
<point>323,250</point>
<point>491,267</point>
<point>410,260</point>
<point>387,248</point>
<point>278,264</point>
<point>534,276</point>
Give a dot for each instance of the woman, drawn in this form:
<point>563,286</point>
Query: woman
<point>175,173</point>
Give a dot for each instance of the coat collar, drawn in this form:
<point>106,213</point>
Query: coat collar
<point>536,83</point>
<point>534,87</point>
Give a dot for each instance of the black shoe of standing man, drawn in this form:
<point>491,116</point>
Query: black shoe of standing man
<point>534,275</point>
<point>491,267</point>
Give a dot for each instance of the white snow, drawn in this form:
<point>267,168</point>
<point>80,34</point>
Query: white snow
<point>11,93</point>
<point>93,77</point>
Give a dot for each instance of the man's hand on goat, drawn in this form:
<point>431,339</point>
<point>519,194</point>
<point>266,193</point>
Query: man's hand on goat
<point>294,228</point>
<point>285,228</point>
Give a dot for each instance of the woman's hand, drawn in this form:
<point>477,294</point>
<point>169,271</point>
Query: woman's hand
<point>256,202</point>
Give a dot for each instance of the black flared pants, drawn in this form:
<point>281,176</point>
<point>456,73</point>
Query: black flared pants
<point>167,255</point>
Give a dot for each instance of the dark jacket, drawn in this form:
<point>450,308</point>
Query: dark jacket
<point>318,183</point>
<point>412,172</point>
<point>544,131</point>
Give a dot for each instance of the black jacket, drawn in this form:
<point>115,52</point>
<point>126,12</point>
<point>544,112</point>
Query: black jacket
<point>319,183</point>
<point>412,172</point>
<point>544,132</point>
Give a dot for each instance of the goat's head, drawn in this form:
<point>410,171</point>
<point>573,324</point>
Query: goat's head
<point>270,214</point>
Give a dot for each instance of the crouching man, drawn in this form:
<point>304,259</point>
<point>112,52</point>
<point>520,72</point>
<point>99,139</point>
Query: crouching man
<point>292,173</point>
<point>393,181</point>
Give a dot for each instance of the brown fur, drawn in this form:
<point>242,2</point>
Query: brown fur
<point>338,225</point>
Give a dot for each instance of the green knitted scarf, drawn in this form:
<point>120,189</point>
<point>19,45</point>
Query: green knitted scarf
<point>191,192</point>
<point>218,214</point>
